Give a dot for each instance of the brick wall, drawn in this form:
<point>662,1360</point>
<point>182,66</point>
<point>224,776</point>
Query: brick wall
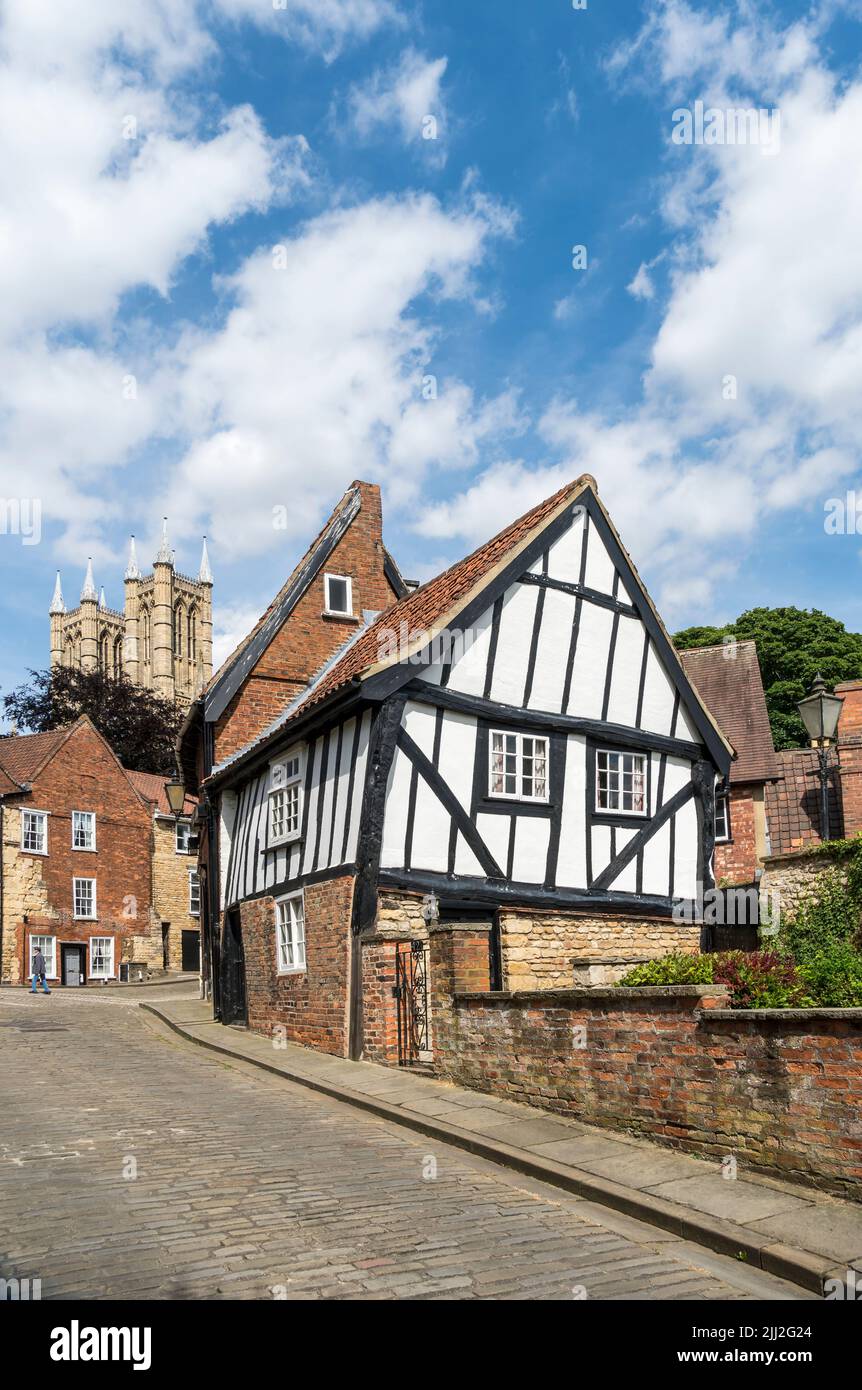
<point>850,755</point>
<point>782,1091</point>
<point>379,1006</point>
<point>737,860</point>
<point>307,639</point>
<point>312,1006</point>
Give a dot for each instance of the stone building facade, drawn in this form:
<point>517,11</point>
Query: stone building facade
<point>175,882</point>
<point>161,640</point>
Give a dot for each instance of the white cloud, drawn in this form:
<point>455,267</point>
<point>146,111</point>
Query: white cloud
<point>324,25</point>
<point>406,96</point>
<point>765,288</point>
<point>642,287</point>
<point>317,375</point>
<point>89,215</point>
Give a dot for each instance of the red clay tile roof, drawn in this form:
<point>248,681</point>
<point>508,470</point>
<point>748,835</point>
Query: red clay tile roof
<point>152,788</point>
<point>732,690</point>
<point>22,755</point>
<point>424,608</point>
<point>793,804</point>
<point>7,785</point>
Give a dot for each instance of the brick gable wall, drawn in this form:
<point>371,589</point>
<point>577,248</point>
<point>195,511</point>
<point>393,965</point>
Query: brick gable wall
<point>308,639</point>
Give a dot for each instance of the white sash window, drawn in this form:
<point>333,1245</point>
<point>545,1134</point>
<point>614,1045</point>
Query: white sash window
<point>83,830</point>
<point>101,957</point>
<point>290,934</point>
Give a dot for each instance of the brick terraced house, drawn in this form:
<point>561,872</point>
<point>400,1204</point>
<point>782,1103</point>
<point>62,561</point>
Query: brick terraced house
<point>515,744</point>
<point>77,875</point>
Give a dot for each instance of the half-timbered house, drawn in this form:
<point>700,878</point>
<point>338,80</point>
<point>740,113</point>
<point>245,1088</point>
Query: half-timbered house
<point>515,742</point>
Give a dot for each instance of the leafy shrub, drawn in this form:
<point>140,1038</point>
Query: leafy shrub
<point>834,978</point>
<point>675,969</point>
<point>760,980</point>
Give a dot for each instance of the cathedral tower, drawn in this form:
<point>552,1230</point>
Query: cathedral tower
<point>162,639</point>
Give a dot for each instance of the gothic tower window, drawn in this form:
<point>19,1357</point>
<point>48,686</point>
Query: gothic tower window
<point>145,635</point>
<point>193,636</point>
<point>104,652</point>
<point>179,623</point>
<point>118,657</point>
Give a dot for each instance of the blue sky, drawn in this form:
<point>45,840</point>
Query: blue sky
<point>157,354</point>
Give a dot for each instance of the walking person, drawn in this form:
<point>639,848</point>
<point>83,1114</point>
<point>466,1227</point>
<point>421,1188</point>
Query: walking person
<point>39,972</point>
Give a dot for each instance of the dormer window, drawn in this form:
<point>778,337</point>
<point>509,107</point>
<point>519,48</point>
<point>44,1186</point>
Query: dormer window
<point>285,800</point>
<point>339,596</point>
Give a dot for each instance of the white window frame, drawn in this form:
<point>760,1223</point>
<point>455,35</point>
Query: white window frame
<point>186,826</point>
<point>101,974</point>
<point>84,849</point>
<point>613,811</point>
<point>284,908</point>
<point>194,877</point>
<point>43,817</point>
<point>50,962</point>
<point>83,916</point>
<point>518,794</point>
<point>286,775</point>
<point>723,795</point>
<point>328,608</point>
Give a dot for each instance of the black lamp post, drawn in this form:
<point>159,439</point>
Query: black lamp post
<point>820,712</point>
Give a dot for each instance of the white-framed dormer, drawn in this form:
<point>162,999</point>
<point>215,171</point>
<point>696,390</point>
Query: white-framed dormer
<point>338,596</point>
<point>34,831</point>
<point>518,766</point>
<point>84,831</point>
<point>285,798</point>
<point>290,934</point>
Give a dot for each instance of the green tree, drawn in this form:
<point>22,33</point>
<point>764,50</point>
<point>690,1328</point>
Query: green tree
<point>140,725</point>
<point>793,644</point>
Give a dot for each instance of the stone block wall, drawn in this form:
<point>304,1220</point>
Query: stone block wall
<point>539,948</point>
<point>790,879</point>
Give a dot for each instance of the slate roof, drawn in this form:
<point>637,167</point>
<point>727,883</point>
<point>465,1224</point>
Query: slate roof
<point>793,803</point>
<point>732,689</point>
<point>23,755</point>
<point>152,788</point>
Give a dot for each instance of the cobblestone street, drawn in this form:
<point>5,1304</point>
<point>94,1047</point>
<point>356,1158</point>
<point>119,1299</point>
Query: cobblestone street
<point>134,1166</point>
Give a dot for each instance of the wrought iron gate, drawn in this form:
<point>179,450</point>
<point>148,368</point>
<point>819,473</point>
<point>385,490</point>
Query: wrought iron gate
<point>411,994</point>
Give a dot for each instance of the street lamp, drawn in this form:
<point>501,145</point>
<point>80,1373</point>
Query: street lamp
<point>820,712</point>
<point>176,794</point>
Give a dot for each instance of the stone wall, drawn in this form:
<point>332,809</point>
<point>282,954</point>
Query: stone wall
<point>779,1089</point>
<point>790,879</point>
<point>540,948</point>
<point>171,889</point>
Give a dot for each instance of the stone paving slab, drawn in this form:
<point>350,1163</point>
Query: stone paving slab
<point>795,1231</point>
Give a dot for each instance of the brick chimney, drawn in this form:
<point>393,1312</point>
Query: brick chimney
<point>850,755</point>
